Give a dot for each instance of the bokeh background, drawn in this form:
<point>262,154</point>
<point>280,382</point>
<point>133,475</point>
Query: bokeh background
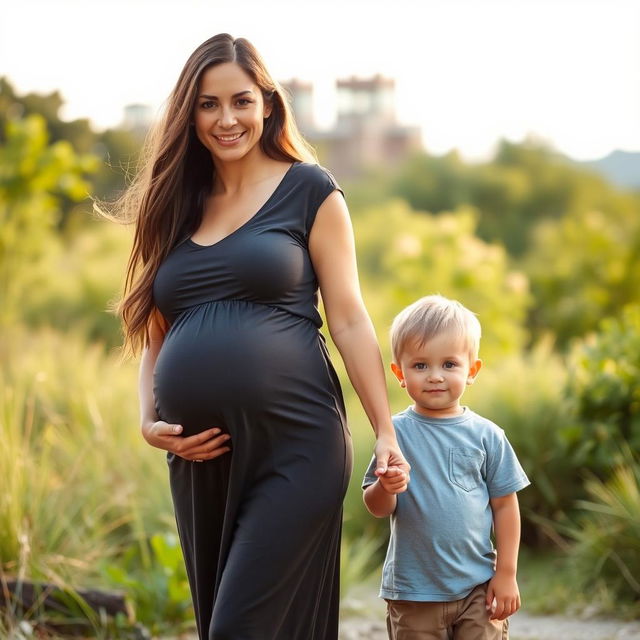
<point>489,151</point>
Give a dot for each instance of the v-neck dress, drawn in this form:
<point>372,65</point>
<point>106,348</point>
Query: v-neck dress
<point>259,526</point>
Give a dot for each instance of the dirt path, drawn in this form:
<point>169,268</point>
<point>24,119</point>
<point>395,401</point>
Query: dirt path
<point>523,627</point>
<point>363,619</point>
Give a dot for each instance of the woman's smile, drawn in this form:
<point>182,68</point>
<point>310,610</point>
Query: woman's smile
<point>228,139</point>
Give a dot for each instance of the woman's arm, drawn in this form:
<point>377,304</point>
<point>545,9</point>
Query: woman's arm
<point>332,251</point>
<point>158,433</point>
<point>157,329</point>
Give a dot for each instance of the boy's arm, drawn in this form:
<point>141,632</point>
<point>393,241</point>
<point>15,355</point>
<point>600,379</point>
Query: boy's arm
<point>379,503</point>
<point>380,497</point>
<point>503,586</point>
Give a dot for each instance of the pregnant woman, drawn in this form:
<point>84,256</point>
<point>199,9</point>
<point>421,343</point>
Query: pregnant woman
<point>236,229</point>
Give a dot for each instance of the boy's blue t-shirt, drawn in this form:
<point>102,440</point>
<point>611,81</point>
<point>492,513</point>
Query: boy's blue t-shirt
<point>440,546</point>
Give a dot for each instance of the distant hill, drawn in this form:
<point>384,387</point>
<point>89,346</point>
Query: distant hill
<point>622,168</point>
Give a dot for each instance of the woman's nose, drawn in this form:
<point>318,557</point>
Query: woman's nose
<point>227,118</point>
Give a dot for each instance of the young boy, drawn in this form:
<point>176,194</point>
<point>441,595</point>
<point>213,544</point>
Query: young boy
<point>441,577</point>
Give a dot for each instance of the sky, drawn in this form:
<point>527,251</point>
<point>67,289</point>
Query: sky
<point>468,72</point>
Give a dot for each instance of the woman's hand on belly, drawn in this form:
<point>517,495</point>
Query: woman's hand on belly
<point>205,445</point>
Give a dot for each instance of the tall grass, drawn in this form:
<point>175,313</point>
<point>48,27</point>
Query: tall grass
<point>79,485</point>
<point>606,550</point>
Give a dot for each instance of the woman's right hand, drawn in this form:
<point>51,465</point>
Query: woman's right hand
<point>206,445</point>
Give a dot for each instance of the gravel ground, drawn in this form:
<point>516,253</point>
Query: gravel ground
<point>363,619</point>
<point>523,627</point>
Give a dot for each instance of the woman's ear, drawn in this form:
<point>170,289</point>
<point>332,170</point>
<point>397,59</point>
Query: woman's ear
<point>397,372</point>
<point>268,106</point>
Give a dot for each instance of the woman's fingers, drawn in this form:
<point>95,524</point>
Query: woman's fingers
<point>206,445</point>
<point>218,452</point>
<point>200,438</point>
<point>210,449</point>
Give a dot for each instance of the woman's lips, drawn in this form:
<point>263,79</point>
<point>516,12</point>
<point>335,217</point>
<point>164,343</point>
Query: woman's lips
<point>228,139</point>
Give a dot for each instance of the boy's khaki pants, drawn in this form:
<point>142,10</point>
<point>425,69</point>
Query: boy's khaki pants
<point>466,619</point>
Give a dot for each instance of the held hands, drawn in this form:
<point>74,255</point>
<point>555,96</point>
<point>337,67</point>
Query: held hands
<point>206,445</point>
<point>392,469</point>
<point>394,481</point>
<point>503,597</point>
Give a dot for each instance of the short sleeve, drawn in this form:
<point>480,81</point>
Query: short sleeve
<point>504,473</point>
<point>370,476</point>
<point>322,184</point>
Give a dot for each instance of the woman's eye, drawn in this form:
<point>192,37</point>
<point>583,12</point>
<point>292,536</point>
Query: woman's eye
<point>207,105</point>
<point>243,102</point>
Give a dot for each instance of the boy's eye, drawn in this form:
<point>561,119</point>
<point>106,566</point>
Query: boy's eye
<point>449,364</point>
<point>420,366</point>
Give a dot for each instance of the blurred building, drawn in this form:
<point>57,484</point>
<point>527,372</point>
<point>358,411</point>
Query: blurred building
<point>301,101</point>
<point>137,117</point>
<point>366,132</point>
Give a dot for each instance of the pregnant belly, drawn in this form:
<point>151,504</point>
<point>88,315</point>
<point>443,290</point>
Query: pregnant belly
<point>228,356</point>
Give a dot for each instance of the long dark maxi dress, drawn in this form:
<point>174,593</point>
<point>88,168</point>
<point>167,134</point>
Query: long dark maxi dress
<point>260,526</point>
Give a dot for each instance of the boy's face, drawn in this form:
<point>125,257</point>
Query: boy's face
<point>436,373</point>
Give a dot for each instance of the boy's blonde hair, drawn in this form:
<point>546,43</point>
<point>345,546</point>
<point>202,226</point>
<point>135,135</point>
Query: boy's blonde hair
<point>431,316</point>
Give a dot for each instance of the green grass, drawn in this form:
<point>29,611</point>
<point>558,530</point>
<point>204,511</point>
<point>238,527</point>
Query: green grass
<point>551,585</point>
<point>544,578</point>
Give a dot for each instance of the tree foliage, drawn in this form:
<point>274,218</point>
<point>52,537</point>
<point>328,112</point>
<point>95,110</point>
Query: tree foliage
<point>405,254</point>
<point>117,148</point>
<point>34,175</point>
<point>605,387</point>
<point>523,185</point>
<point>583,267</point>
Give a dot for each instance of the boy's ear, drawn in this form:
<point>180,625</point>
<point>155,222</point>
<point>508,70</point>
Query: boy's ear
<point>397,372</point>
<point>474,368</point>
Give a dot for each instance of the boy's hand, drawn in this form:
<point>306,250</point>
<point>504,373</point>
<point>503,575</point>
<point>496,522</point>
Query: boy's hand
<point>394,480</point>
<point>503,589</point>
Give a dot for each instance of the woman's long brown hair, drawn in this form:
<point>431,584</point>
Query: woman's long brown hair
<point>166,199</point>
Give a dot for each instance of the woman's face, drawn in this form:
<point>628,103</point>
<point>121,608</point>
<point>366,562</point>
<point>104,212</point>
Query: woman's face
<point>229,112</point>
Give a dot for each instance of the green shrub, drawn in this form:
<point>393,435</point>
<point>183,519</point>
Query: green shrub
<point>360,559</point>
<point>606,549</point>
<point>605,388</point>
<point>153,575</point>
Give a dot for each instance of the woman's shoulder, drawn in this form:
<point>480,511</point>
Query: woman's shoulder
<point>316,174</point>
<point>317,178</point>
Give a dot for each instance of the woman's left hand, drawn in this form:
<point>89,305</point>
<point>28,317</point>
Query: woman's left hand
<point>388,454</point>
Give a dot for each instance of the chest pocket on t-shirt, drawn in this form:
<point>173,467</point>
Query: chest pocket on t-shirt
<point>465,468</point>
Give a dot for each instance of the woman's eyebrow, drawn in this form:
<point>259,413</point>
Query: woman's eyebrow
<point>235,95</point>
